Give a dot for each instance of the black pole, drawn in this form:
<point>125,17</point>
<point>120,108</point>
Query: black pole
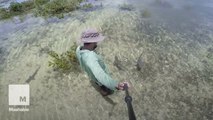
<point>128,100</point>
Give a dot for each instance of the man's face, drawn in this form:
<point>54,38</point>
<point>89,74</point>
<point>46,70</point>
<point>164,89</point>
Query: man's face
<point>94,45</point>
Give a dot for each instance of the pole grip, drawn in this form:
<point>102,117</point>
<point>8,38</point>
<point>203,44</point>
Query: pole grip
<point>128,100</point>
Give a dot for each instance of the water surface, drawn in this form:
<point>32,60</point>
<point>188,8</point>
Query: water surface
<point>175,42</point>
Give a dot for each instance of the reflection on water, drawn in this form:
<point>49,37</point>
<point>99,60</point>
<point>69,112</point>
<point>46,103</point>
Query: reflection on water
<point>175,44</point>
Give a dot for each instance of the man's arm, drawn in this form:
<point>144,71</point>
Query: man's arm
<point>99,73</point>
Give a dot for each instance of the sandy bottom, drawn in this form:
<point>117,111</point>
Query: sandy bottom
<point>175,81</point>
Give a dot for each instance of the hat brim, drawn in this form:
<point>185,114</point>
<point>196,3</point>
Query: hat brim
<point>93,40</point>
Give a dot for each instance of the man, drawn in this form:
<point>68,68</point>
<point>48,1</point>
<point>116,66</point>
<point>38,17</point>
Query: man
<point>93,64</point>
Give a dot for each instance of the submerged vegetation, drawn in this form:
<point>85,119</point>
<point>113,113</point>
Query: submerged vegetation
<point>126,6</point>
<point>16,9</point>
<point>56,7</point>
<point>40,8</point>
<point>87,6</point>
<point>40,2</point>
<point>146,13</point>
<point>65,61</point>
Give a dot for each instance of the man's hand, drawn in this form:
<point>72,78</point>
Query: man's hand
<point>121,85</point>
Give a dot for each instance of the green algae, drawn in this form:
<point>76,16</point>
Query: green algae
<point>65,61</point>
<point>15,9</point>
<point>43,8</point>
<point>87,6</point>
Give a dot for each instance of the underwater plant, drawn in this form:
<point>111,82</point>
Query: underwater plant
<point>146,13</point>
<point>65,61</point>
<point>28,5</point>
<point>87,6</point>
<point>210,53</point>
<point>40,2</point>
<point>60,16</point>
<point>44,8</point>
<point>55,7</point>
<point>21,7</point>
<point>4,14</point>
<point>126,6</point>
<point>16,8</point>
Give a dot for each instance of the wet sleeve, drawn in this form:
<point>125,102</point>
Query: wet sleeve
<point>102,77</point>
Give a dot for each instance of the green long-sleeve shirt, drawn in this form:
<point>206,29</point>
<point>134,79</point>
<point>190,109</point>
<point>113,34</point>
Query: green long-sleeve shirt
<point>94,66</point>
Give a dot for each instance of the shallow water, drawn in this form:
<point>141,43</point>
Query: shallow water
<point>175,82</point>
<point>6,3</point>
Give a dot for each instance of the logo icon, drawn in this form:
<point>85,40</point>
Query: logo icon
<point>19,95</point>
